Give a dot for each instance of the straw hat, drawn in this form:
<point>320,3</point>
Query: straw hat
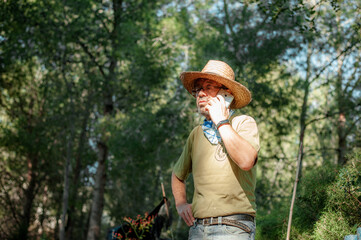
<point>222,73</point>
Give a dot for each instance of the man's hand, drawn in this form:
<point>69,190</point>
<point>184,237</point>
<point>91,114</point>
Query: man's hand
<point>217,109</point>
<point>185,211</point>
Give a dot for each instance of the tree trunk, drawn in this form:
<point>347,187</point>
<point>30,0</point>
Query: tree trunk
<point>65,190</point>
<point>29,199</point>
<point>69,151</point>
<point>303,116</point>
<point>341,132</point>
<point>98,195</point>
<point>102,145</point>
<point>100,179</point>
<point>341,157</point>
<point>77,169</point>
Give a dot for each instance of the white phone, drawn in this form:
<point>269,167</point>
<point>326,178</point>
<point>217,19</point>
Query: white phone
<point>227,96</point>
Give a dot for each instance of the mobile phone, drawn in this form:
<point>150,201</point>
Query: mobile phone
<point>227,96</point>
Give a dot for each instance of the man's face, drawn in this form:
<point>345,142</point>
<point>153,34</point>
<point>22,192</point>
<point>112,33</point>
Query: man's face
<point>205,90</point>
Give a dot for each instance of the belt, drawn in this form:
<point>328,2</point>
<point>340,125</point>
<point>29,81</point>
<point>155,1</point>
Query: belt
<point>232,220</point>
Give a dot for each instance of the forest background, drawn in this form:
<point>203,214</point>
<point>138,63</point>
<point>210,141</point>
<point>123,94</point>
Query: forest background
<point>93,115</point>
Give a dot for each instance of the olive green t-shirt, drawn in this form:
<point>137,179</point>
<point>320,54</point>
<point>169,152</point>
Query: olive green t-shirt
<point>221,188</point>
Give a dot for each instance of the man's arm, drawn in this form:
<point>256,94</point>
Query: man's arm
<point>184,209</point>
<point>240,151</point>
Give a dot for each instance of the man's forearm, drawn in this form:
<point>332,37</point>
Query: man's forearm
<point>241,152</point>
<point>179,190</point>
<point>184,209</point>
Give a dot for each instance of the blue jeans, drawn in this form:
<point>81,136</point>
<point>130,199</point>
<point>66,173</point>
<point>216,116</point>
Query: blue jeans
<point>221,232</point>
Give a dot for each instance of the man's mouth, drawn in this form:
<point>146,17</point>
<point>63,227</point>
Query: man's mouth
<point>203,101</point>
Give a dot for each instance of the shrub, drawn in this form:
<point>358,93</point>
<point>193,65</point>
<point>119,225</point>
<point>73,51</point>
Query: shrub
<point>312,195</point>
<point>331,226</point>
<point>328,205</point>
<point>272,225</point>
<point>342,213</point>
<point>345,194</point>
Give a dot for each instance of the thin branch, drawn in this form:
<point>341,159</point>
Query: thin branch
<point>8,200</point>
<point>102,21</point>
<point>356,85</point>
<point>352,126</point>
<point>86,50</point>
<point>352,76</point>
<point>334,59</point>
<point>295,188</point>
<point>349,192</point>
<point>228,21</point>
<point>328,115</point>
<point>319,149</point>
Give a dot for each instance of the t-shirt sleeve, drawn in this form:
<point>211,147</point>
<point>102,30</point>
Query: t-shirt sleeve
<point>247,128</point>
<point>183,166</point>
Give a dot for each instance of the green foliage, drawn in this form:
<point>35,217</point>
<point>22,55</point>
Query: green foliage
<point>329,203</point>
<point>313,193</point>
<point>332,225</point>
<point>344,195</point>
<point>271,225</point>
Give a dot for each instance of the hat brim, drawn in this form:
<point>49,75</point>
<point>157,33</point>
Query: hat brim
<point>242,96</point>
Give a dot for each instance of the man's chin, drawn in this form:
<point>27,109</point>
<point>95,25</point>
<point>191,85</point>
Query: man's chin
<point>203,112</point>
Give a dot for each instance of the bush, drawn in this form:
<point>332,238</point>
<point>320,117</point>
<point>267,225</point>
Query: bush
<point>342,212</point>
<point>331,226</point>
<point>312,195</point>
<point>272,225</point>
<point>344,195</point>
<point>328,205</point>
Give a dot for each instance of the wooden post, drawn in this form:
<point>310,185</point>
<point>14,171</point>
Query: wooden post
<point>294,189</point>
<point>165,200</point>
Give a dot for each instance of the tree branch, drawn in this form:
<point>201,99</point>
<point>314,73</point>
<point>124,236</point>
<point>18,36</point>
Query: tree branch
<point>352,126</point>
<point>334,59</point>
<point>102,21</point>
<point>8,200</point>
<point>86,50</point>
<point>321,118</point>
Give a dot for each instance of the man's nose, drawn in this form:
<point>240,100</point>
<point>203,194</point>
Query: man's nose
<point>202,93</point>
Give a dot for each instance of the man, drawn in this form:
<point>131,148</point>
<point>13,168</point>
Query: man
<point>221,155</point>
